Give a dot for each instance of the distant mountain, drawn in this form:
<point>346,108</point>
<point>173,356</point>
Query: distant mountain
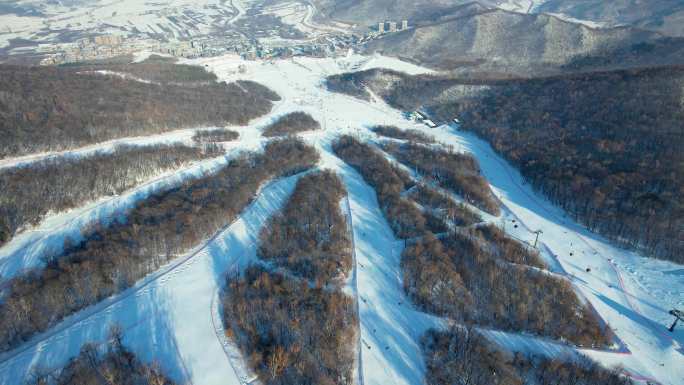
<point>504,41</point>
<point>665,16</point>
<point>366,13</point>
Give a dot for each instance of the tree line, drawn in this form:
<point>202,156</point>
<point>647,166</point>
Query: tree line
<point>465,357</point>
<point>215,135</point>
<point>398,89</point>
<point>112,257</point>
<point>603,145</point>
<point>474,275</point>
<point>606,147</point>
<point>309,236</point>
<point>389,182</point>
<point>471,281</point>
<point>291,123</point>
<point>111,364</point>
<point>155,68</point>
<point>56,108</point>
<point>290,332</point>
<point>505,248</point>
<point>291,320</point>
<point>408,134</point>
<point>453,171</point>
<point>444,207</point>
<point>31,191</point>
<point>348,84</point>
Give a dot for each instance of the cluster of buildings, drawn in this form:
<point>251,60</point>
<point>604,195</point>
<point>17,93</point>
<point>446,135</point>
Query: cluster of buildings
<point>322,47</point>
<point>109,46</point>
<point>421,117</point>
<point>392,26</point>
<point>97,47</point>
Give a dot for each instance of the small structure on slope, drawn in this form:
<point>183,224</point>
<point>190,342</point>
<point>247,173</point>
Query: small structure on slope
<point>679,316</point>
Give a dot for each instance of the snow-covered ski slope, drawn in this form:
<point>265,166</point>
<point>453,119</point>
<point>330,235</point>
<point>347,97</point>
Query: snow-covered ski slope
<point>171,316</point>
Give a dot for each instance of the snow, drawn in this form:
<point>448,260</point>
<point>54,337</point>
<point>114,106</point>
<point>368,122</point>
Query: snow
<point>25,251</point>
<point>116,17</point>
<point>522,6</point>
<point>533,6</point>
<point>168,316</point>
<point>172,315</point>
<point>121,75</point>
<point>390,326</point>
<point>636,314</point>
<point>177,136</point>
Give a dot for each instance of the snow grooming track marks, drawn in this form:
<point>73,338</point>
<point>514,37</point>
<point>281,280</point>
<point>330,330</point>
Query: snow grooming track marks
<point>186,282</point>
<point>642,336</point>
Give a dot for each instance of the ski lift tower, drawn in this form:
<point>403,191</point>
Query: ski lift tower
<point>679,316</point>
<point>537,237</point>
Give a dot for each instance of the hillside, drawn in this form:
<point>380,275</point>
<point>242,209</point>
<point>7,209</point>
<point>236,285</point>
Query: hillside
<point>503,41</point>
<point>618,133</point>
<point>665,16</point>
<point>340,256</point>
<point>367,13</point>
<point>56,108</point>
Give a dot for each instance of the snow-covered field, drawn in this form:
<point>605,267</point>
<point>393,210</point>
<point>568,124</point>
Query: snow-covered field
<point>142,23</point>
<point>523,6</point>
<point>533,6</point>
<point>171,316</point>
<point>179,18</point>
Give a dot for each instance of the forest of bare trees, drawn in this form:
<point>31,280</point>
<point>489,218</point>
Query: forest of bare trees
<point>451,170</point>
<point>477,276</point>
<point>605,146</point>
<point>404,217</point>
<point>290,332</point>
<point>291,123</point>
<point>474,274</point>
<point>291,320</point>
<point>463,356</point>
<point>400,90</point>
<point>109,364</point>
<point>111,258</point>
<point>443,206</point>
<point>215,135</point>
<point>155,69</point>
<point>472,281</point>
<point>55,108</point>
<point>29,192</point>
<point>408,134</point>
<point>348,84</point>
<point>309,237</point>
<point>503,247</point>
